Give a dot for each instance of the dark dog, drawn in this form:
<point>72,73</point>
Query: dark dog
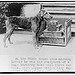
<point>38,25</point>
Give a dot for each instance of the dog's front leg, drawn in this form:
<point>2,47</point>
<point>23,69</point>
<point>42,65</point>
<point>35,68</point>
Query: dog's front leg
<point>4,40</point>
<point>34,38</point>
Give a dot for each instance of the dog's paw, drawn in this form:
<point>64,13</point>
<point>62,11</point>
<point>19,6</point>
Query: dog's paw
<point>40,45</point>
<point>36,47</point>
<point>11,42</point>
<point>5,46</point>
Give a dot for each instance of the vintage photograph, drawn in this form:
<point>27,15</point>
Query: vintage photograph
<point>37,36</point>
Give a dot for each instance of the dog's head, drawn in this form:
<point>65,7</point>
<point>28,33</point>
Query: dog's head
<point>47,16</point>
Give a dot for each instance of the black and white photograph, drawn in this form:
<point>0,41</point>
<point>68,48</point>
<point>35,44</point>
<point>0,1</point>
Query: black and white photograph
<point>37,36</point>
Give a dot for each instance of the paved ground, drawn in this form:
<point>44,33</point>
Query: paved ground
<point>23,45</point>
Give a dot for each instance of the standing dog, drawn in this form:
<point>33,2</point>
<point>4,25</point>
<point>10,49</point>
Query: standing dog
<point>38,25</point>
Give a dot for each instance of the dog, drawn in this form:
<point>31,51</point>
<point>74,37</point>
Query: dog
<point>38,25</point>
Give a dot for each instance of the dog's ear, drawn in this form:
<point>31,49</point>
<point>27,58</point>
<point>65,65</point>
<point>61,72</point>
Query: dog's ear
<point>51,16</point>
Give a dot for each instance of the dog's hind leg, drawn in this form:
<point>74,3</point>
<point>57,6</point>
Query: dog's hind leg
<point>9,37</point>
<point>4,39</point>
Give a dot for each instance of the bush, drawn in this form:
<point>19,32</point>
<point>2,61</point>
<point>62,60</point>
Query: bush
<point>3,10</point>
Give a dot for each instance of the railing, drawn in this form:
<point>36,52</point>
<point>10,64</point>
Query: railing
<point>63,9</point>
